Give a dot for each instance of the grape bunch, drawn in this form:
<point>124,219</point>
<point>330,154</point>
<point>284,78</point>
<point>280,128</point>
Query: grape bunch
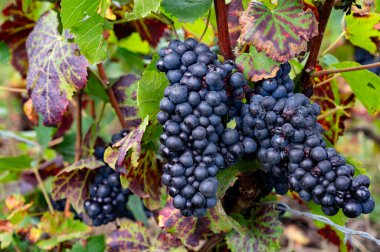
<point>194,112</point>
<point>294,153</point>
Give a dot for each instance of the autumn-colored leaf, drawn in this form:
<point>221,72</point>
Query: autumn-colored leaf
<point>73,182</point>
<point>282,33</point>
<point>256,65</point>
<point>145,179</point>
<point>125,93</point>
<point>264,231</point>
<point>14,202</point>
<point>329,234</point>
<point>133,236</point>
<point>56,70</point>
<point>234,10</point>
<point>14,32</point>
<point>132,141</point>
<point>30,112</point>
<point>189,230</point>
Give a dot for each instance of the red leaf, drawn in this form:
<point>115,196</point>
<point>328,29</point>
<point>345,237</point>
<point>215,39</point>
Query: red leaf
<point>14,32</point>
<point>234,10</point>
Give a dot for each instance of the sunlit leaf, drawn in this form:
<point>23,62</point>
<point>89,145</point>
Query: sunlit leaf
<point>186,10</point>
<point>256,65</point>
<point>56,70</point>
<point>282,33</point>
<point>142,8</point>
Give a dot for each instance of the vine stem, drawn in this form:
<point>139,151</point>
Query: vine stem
<point>315,45</point>
<point>327,80</point>
<point>223,34</point>
<point>348,69</point>
<point>43,189</point>
<point>211,242</point>
<point>111,95</point>
<point>206,27</point>
<point>334,43</point>
<point>11,89</point>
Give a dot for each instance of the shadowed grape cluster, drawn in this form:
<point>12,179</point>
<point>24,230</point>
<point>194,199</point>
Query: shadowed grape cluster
<point>202,95</point>
<point>294,153</point>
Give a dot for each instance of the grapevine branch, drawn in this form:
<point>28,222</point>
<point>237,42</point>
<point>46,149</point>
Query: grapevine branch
<point>347,231</point>
<point>111,95</point>
<point>368,133</point>
<point>79,136</point>
<point>315,45</point>
<point>342,70</point>
<point>223,34</point>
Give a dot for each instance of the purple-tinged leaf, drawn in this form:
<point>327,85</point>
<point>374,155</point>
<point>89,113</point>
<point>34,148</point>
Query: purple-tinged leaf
<point>126,96</point>
<point>189,230</point>
<point>282,33</point>
<point>56,69</point>
<point>73,182</point>
<point>234,10</point>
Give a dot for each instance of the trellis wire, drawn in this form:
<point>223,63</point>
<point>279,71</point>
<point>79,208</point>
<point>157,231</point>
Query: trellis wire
<point>347,231</point>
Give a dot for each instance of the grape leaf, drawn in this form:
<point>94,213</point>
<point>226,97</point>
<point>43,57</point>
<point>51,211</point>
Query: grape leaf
<point>282,33</point>
<point>56,70</point>
<point>73,182</point>
<point>133,236</point>
<point>144,180</point>
<point>186,10</point>
<point>363,30</point>
<point>256,65</point>
<point>87,26</point>
<point>234,10</point>
<point>150,90</point>
<point>221,222</point>
<point>132,141</point>
<point>125,93</point>
<point>364,84</point>
<point>189,230</point>
<point>263,234</point>
<point>17,163</point>
<point>59,229</point>
<point>14,32</point>
<point>142,8</point>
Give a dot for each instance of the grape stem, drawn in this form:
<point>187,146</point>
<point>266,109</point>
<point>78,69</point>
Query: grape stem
<point>43,189</point>
<point>342,70</point>
<point>11,89</point>
<point>206,27</point>
<point>223,34</point>
<point>111,95</point>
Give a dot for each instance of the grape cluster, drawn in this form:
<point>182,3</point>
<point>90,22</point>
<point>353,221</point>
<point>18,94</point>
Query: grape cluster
<point>294,153</point>
<point>108,200</point>
<point>194,112</point>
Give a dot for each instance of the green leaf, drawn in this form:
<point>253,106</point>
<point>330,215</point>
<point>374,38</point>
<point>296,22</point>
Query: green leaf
<point>364,84</point>
<point>186,10</point>
<point>89,37</point>
<point>137,209</point>
<point>44,134</point>
<point>143,8</point>
<point>263,234</point>
<point>257,66</point>
<point>282,33</point>
<point>73,182</point>
<point>96,89</point>
<point>59,229</point>
<point>363,30</point>
<point>150,90</point>
<point>5,240</point>
<point>18,163</point>
<point>96,243</point>
<point>4,53</point>
<point>87,26</point>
